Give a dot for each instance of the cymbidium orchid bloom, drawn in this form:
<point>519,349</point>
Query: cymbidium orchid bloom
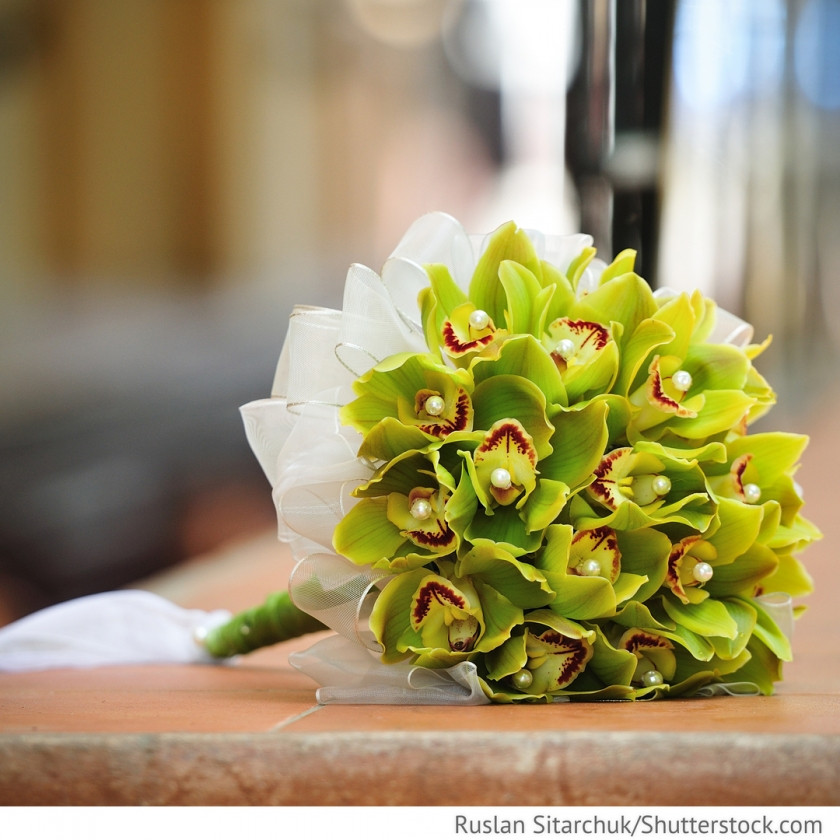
<point>586,355</point>
<point>547,656</point>
<point>655,655</point>
<point>586,568</point>
<point>417,391</point>
<point>440,620</point>
<point>514,486</point>
<point>544,475</point>
<point>640,486</point>
<point>402,518</point>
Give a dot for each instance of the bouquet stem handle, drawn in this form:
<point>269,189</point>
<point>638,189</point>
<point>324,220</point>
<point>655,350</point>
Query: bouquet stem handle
<point>275,620</point>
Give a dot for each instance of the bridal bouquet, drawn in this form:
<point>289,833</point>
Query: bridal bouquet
<point>511,472</point>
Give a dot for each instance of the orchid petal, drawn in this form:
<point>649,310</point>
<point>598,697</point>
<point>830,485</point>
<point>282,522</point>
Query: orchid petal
<point>626,299</point>
<point>367,537</point>
<point>613,666</point>
<point>762,668</point>
<point>708,618</point>
<point>522,292</point>
<point>790,576</point>
<point>578,442</point>
<point>522,584</point>
<point>525,357</point>
<point>507,243</point>
<point>649,335</point>
<point>503,397</point>
<point>745,617</point>
<point>589,365</point>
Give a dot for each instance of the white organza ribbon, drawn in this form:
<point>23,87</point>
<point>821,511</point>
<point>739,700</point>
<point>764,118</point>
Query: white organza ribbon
<point>348,673</point>
<point>129,627</point>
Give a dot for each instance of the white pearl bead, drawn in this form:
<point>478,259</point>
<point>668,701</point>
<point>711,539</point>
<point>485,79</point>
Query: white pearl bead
<point>479,319</point>
<point>500,478</point>
<point>702,572</point>
<point>590,567</point>
<point>661,485</point>
<point>752,493</point>
<point>565,348</point>
<point>682,380</point>
<point>522,679</point>
<point>421,509</point>
<point>434,405</point>
<point>652,678</point>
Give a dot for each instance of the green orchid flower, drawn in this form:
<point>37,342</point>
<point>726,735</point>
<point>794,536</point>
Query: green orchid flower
<point>417,391</point>
<point>401,520</point>
<point>759,471</point>
<point>586,355</point>
<point>655,660</point>
<point>691,390</point>
<point>727,559</point>
<point>586,570</point>
<point>538,663</point>
<point>440,620</point>
<point>505,296</point>
<point>515,484</point>
<point>673,659</point>
<point>635,487</point>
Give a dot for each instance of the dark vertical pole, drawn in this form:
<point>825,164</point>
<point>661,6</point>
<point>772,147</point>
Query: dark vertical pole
<point>614,99</point>
<point>589,121</point>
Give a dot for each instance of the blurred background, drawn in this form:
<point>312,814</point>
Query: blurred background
<point>176,174</point>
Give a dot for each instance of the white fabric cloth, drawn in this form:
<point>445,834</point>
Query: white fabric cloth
<point>129,627</point>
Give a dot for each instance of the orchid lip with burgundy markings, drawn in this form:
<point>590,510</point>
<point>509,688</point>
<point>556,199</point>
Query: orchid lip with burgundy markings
<point>658,391</point>
<point>456,346</point>
<point>506,461</point>
<point>595,552</point>
<point>545,474</point>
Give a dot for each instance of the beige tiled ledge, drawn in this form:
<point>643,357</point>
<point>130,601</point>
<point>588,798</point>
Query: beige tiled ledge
<point>472,767</point>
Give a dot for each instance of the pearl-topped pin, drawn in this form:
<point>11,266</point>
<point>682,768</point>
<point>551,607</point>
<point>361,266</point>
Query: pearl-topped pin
<point>565,348</point>
<point>500,478</point>
<point>434,405</point>
<point>682,380</point>
<point>590,567</point>
<point>661,485</point>
<point>421,509</point>
<point>522,679</point>
<point>752,493</point>
<point>653,677</point>
<point>479,319</point>
<point>702,572</point>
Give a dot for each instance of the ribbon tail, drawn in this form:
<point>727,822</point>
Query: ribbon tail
<point>127,627</point>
